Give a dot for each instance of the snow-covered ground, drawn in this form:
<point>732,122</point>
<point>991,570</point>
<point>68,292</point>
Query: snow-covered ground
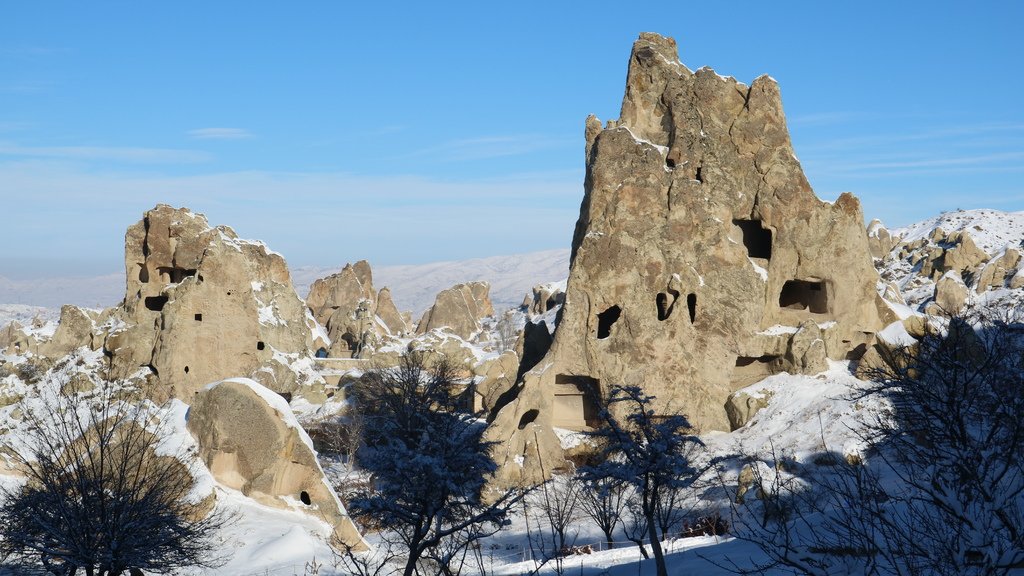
<point>991,230</point>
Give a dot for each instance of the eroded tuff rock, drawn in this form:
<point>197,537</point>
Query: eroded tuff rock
<point>202,305</point>
<point>701,256</point>
<point>355,315</point>
<point>251,442</point>
<point>460,308</point>
<point>958,257</point>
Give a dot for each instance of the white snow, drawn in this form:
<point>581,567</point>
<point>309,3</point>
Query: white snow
<point>991,230</point>
<point>757,268</point>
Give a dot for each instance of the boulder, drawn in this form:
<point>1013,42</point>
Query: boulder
<point>460,308</point>
<point>964,255</point>
<point>75,329</point>
<point>880,242</point>
<point>251,442</point>
<point>806,354</point>
<point>742,405</point>
<point>545,297</point>
<point>950,294</point>
<point>15,339</point>
<point>499,378</point>
<point>994,274</point>
<point>698,236</point>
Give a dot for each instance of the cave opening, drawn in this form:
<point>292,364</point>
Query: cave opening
<point>605,321</point>
<point>155,303</point>
<point>804,295</point>
<point>756,238</point>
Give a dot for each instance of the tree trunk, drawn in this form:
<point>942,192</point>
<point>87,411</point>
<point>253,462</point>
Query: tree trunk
<point>659,556</point>
<point>608,539</point>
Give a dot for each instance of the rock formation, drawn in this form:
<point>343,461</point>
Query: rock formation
<point>251,442</point>
<point>701,256</point>
<point>943,263</point>
<point>460,308</point>
<point>354,314</point>
<point>200,305</point>
<point>544,297</point>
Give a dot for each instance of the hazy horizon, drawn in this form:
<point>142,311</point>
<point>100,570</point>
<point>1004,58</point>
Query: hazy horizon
<point>447,132</point>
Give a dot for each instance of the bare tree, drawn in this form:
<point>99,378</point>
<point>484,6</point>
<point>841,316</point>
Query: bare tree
<point>506,332</point>
<point>429,464</point>
<point>558,502</point>
<point>651,453</point>
<point>940,490</point>
<point>103,495</point>
<point>603,500</point>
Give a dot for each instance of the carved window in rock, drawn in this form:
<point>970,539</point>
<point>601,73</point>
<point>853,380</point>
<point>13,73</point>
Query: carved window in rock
<point>173,274</point>
<point>605,321</point>
<point>749,370</point>
<point>576,402</point>
<point>810,295</point>
<point>756,238</point>
<point>155,303</point>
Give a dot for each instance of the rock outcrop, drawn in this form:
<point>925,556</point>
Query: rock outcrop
<point>355,315</point>
<point>701,255</point>
<point>460,308</point>
<point>939,264</point>
<point>251,442</point>
<point>200,305</point>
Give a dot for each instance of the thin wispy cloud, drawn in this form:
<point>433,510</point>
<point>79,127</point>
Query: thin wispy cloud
<point>487,147</point>
<point>396,218</point>
<point>220,134</point>
<point>129,154</point>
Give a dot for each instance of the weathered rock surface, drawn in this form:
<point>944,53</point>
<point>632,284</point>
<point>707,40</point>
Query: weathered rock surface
<point>14,339</point>
<point>698,236</point>
<point>742,406</point>
<point>545,297</point>
<point>251,442</point>
<point>355,315</point>
<point>460,308</point>
<point>950,294</point>
<point>77,327</point>
<point>982,247</point>
<point>202,305</point>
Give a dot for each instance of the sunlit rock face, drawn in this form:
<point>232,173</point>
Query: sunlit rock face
<point>202,305</point>
<point>701,262</point>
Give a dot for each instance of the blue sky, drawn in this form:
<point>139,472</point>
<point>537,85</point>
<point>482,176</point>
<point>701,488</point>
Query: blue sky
<point>414,132</point>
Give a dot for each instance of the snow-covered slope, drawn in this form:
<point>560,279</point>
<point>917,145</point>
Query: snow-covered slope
<point>923,252</point>
<point>991,230</point>
<point>25,315</point>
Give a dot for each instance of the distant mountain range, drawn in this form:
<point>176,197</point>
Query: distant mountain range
<point>413,287</point>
